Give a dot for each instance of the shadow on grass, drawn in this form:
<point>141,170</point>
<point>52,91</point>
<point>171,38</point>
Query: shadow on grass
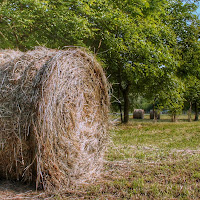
<point>15,186</point>
<point>18,190</point>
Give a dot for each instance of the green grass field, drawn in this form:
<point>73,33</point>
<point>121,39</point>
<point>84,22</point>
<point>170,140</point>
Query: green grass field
<point>163,159</point>
<point>149,160</point>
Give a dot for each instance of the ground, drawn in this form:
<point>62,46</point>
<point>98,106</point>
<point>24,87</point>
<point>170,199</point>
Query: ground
<point>145,160</point>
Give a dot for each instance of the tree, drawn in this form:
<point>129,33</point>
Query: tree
<point>141,42</point>
<point>186,26</point>
<point>173,97</point>
<point>28,23</point>
<point>133,42</point>
<point>192,95</point>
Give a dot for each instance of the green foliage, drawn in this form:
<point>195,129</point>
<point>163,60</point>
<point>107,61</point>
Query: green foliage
<point>134,40</point>
<point>192,93</point>
<point>28,23</point>
<point>144,44</point>
<point>173,98</point>
<point>140,102</point>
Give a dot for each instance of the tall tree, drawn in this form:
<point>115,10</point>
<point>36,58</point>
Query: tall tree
<point>186,25</point>
<point>192,95</point>
<point>134,42</point>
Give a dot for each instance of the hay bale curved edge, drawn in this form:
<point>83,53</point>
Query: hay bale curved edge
<point>7,55</point>
<point>138,114</point>
<point>54,117</point>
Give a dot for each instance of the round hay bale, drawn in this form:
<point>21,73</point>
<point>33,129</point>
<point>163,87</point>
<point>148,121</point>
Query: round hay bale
<point>157,114</point>
<point>138,114</point>
<point>6,55</point>
<point>54,117</point>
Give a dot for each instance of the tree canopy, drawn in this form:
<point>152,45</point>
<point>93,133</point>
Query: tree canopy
<point>148,47</point>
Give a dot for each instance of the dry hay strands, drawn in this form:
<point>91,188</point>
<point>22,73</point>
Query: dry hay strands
<point>138,114</point>
<point>6,55</point>
<point>53,118</point>
<point>157,114</point>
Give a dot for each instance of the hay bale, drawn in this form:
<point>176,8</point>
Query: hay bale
<point>157,114</point>
<point>138,114</point>
<point>8,55</point>
<point>53,118</point>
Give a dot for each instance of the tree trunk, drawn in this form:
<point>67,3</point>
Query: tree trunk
<point>120,109</point>
<point>126,105</point>
<point>190,112</point>
<point>154,112</point>
<point>196,112</point>
<point>120,106</point>
<point>125,92</point>
<point>174,117</point>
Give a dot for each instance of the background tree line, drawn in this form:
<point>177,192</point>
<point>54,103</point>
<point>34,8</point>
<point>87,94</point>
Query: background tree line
<point>149,48</point>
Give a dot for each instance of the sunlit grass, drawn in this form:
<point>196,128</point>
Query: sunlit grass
<point>165,158</point>
<point>148,160</point>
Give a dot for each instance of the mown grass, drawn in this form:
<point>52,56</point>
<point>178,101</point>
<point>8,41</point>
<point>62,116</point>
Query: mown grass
<point>151,161</point>
<point>147,160</point>
<point>148,137</point>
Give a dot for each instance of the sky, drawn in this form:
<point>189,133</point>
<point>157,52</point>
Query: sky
<point>198,11</point>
